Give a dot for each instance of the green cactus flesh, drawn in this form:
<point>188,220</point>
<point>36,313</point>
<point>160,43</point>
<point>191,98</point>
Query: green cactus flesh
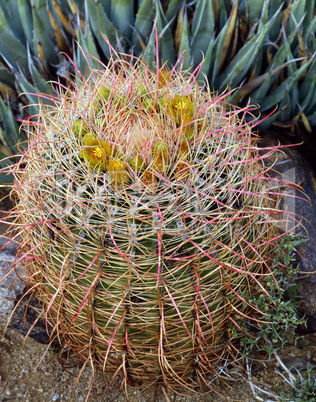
<point>144,269</point>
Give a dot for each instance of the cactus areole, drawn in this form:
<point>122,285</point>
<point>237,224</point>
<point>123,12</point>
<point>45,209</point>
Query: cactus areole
<point>146,217</point>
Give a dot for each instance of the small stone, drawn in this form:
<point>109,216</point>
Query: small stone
<point>55,397</point>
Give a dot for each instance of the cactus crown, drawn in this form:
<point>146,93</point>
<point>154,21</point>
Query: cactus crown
<point>146,216</point>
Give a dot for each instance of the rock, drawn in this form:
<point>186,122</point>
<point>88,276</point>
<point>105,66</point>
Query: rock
<point>295,167</point>
<point>10,284</point>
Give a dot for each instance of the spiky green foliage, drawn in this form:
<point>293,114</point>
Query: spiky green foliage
<point>146,217</point>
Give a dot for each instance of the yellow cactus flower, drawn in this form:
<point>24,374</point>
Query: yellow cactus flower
<point>181,106</point>
<point>96,152</point>
<point>118,172</point>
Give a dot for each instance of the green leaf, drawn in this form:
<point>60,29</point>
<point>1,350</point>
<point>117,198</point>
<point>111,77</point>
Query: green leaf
<point>11,134</point>
<point>12,17</point>
<point>244,59</point>
<point>106,4</point>
<point>218,45</point>
<point>267,122</point>
<point>5,178</point>
<point>101,24</point>
<point>123,15</point>
<point>43,32</point>
<point>285,108</point>
<point>184,43</point>
<point>166,45</point>
<point>173,9</point>
<point>6,77</point>
<point>297,15</point>
<point>87,44</point>
<point>254,10</point>
<point>202,31</point>
<point>25,12</point>
<point>309,98</point>
<point>143,22</point>
<point>305,88</point>
<point>276,96</point>
<point>208,62</point>
<point>10,47</point>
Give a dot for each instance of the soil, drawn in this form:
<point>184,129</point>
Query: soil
<point>30,371</point>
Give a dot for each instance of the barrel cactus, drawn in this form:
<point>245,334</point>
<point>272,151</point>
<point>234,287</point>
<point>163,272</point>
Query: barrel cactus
<point>147,224</point>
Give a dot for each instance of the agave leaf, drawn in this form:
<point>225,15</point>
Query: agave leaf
<point>208,62</point>
<point>276,96</point>
<point>264,14</point>
<point>6,77</point>
<point>222,14</point>
<point>173,8</point>
<point>276,26</point>
<point>143,22</point>
<point>123,15</point>
<point>312,119</point>
<point>11,134</point>
<point>285,107</point>
<point>263,82</point>
<point>228,36</point>
<point>307,83</point>
<point>297,14</point>
<point>75,6</point>
<point>202,30</point>
<point>309,100</point>
<point>29,91</point>
<point>218,45</point>
<point>25,12</point>
<point>5,90</point>
<point>9,8</point>
<point>5,178</point>
<point>306,122</point>
<point>43,33</point>
<point>58,34</point>
<point>40,83</point>
<point>87,44</point>
<point>11,48</point>
<point>164,36</point>
<point>63,17</point>
<point>106,4</point>
<point>309,13</point>
<point>216,12</point>
<point>5,150</point>
<point>310,31</point>
<point>265,124</point>
<point>182,36</point>
<point>254,10</point>
<point>101,25</point>
<point>149,52</point>
<point>246,56</point>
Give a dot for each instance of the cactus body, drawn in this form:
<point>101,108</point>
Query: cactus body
<point>141,237</point>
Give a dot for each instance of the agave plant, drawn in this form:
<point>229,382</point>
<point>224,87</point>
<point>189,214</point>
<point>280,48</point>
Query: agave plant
<point>147,224</point>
